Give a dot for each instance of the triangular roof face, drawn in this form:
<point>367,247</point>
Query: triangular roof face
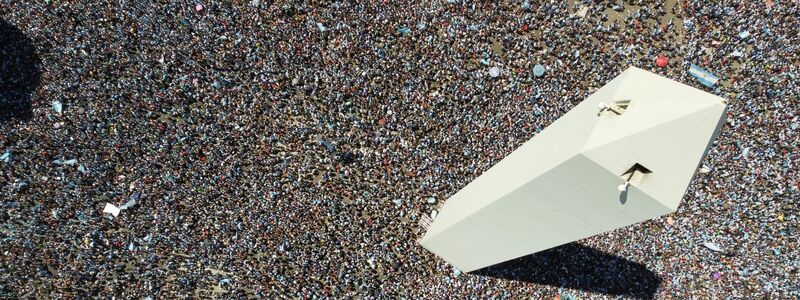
<point>664,126</point>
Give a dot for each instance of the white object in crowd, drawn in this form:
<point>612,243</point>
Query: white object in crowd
<point>57,106</point>
<point>111,209</point>
<point>68,162</point>
<point>712,247</point>
<point>705,169</point>
<point>494,72</point>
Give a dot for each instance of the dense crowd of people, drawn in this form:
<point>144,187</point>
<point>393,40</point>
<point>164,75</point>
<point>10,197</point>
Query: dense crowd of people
<point>277,149</point>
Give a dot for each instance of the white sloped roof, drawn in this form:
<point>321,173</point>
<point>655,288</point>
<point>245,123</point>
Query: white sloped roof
<point>560,186</point>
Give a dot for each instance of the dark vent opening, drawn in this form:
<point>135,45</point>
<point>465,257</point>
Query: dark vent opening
<point>637,168</point>
<point>635,173</point>
<point>621,105</point>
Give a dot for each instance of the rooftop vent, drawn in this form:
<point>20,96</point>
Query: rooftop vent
<point>616,108</point>
<point>635,174</point>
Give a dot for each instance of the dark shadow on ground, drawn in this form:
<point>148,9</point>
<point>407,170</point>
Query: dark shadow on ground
<point>20,73</point>
<point>576,266</point>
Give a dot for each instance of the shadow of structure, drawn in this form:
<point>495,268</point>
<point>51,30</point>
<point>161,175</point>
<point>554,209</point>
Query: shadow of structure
<point>576,266</point>
<point>20,73</point>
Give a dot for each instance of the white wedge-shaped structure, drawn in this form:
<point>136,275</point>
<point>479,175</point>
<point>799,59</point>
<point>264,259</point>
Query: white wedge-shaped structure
<point>624,155</point>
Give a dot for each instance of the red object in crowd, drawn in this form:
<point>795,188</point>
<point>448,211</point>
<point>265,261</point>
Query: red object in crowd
<point>661,61</point>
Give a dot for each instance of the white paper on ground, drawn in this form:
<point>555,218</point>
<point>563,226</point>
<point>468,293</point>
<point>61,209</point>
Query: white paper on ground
<point>111,209</point>
<point>712,246</point>
<point>128,204</point>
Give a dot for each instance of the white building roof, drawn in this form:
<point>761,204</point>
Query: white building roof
<point>560,186</point>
